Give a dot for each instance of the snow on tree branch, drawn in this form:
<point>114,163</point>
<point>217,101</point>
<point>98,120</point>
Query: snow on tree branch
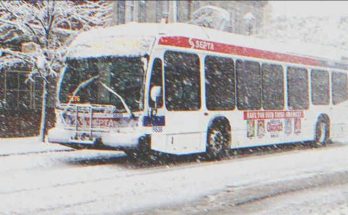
<point>38,32</point>
<point>49,23</point>
<point>211,17</point>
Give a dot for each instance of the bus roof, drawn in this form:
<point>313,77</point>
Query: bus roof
<point>136,39</point>
<point>121,40</point>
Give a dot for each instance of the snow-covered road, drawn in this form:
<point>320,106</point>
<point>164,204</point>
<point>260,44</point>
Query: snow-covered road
<point>94,182</point>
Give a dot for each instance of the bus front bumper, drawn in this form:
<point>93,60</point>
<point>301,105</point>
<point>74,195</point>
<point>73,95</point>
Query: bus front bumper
<point>100,140</point>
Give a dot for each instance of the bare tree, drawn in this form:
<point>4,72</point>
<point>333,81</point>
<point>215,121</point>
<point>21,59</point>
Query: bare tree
<point>47,24</point>
<point>211,17</point>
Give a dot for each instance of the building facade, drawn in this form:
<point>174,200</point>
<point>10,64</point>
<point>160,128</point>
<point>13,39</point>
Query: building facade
<point>245,17</point>
<point>20,99</point>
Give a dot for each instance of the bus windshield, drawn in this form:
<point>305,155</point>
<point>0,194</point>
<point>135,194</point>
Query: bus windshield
<point>123,75</point>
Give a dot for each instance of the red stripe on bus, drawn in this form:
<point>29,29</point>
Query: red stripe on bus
<point>186,42</point>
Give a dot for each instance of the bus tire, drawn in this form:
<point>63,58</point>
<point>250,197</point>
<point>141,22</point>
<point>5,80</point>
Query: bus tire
<point>218,140</point>
<point>139,155</point>
<point>322,132</point>
<point>132,153</point>
<point>142,151</point>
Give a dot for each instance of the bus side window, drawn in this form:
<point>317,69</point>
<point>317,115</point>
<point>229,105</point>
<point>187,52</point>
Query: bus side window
<point>248,85</point>
<point>156,80</point>
<point>320,87</point>
<point>272,87</point>
<point>298,95</point>
<point>219,83</point>
<point>182,81</point>
<point>339,87</point>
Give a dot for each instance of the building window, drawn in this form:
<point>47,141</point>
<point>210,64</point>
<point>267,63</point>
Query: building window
<point>121,12</point>
<point>159,11</point>
<point>142,15</point>
<point>162,9</point>
<point>17,93</point>
<point>183,11</point>
<point>249,21</point>
<point>231,25</point>
<point>131,11</point>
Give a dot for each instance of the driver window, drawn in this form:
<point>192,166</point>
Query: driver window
<point>156,80</point>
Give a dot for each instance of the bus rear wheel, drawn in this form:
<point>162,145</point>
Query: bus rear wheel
<point>218,140</point>
<point>322,132</point>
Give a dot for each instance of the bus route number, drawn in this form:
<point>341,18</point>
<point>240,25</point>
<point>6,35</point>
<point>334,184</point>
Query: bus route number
<point>157,129</point>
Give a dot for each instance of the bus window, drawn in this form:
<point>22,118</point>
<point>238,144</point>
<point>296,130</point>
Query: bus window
<point>272,87</point>
<point>248,85</point>
<point>37,92</point>
<point>156,80</point>
<point>219,83</point>
<point>297,79</point>
<point>339,87</point>
<point>320,87</point>
<point>182,81</point>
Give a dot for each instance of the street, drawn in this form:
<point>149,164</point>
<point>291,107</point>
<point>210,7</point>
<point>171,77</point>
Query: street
<point>297,181</point>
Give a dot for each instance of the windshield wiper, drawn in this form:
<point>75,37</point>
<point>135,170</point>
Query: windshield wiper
<point>120,97</point>
<point>82,85</point>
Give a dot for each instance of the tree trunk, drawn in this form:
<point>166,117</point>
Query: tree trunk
<point>43,124</point>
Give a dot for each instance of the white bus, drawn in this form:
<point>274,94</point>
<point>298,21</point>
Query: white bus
<point>183,89</point>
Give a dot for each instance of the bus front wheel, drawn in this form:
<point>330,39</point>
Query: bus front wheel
<point>322,132</point>
<point>218,140</point>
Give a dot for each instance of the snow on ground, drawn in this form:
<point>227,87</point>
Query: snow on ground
<point>328,201</point>
<point>95,182</point>
<point>11,146</point>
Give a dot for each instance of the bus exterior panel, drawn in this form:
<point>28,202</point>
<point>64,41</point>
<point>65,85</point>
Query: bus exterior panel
<point>261,95</point>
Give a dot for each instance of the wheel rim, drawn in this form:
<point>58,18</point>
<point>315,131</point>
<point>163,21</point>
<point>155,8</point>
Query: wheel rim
<point>322,131</point>
<point>322,134</point>
<point>216,140</point>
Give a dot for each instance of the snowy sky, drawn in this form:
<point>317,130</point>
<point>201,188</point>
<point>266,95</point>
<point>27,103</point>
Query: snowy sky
<point>309,8</point>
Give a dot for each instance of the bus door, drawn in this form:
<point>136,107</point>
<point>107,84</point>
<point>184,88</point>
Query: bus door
<point>182,99</point>
<point>179,114</point>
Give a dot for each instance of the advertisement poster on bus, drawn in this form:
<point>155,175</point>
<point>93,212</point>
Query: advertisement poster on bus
<point>274,127</point>
<point>273,122</point>
<point>250,128</point>
<point>288,126</point>
<point>261,128</point>
<point>297,126</point>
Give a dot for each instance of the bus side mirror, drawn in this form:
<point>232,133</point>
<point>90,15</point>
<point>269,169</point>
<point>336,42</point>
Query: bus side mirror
<point>155,93</point>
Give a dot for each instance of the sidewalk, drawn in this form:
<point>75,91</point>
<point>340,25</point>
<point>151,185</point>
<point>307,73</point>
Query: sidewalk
<point>27,145</point>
